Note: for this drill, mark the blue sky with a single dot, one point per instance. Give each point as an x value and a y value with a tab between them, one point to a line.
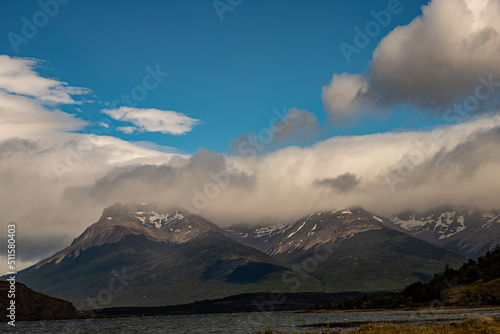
229	73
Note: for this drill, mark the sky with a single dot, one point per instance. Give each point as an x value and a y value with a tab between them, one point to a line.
228	74
254	112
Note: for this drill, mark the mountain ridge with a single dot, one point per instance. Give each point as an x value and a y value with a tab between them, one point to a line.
176	258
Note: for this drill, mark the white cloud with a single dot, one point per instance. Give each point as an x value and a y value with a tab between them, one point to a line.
17	76
153	120
104	125
156	147
439	55
432	63
24	96
342	96
126	129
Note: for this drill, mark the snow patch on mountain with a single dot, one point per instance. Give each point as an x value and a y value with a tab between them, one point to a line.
447	224
270	230
490	219
160	220
301	226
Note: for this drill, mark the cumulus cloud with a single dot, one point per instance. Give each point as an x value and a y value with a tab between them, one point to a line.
152	120
437	60
343	95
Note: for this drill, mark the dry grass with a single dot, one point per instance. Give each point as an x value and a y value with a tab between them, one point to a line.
478	325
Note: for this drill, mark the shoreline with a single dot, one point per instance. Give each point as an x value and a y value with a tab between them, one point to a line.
88	315
399	309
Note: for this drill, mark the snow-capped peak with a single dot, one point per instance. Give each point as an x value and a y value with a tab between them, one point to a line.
160	220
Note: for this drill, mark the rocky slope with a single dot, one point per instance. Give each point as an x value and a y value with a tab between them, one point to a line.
259	237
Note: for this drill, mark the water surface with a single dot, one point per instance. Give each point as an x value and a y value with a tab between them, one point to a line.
241	323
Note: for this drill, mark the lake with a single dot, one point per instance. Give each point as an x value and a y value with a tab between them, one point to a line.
241	323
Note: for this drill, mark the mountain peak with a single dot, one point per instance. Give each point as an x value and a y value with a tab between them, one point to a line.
168	224
312	230
327	226
167	218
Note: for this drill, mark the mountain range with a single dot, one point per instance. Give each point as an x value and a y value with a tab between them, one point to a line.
467	232
367	253
146	255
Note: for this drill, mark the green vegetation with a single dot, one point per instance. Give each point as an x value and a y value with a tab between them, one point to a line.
481	325
475	283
